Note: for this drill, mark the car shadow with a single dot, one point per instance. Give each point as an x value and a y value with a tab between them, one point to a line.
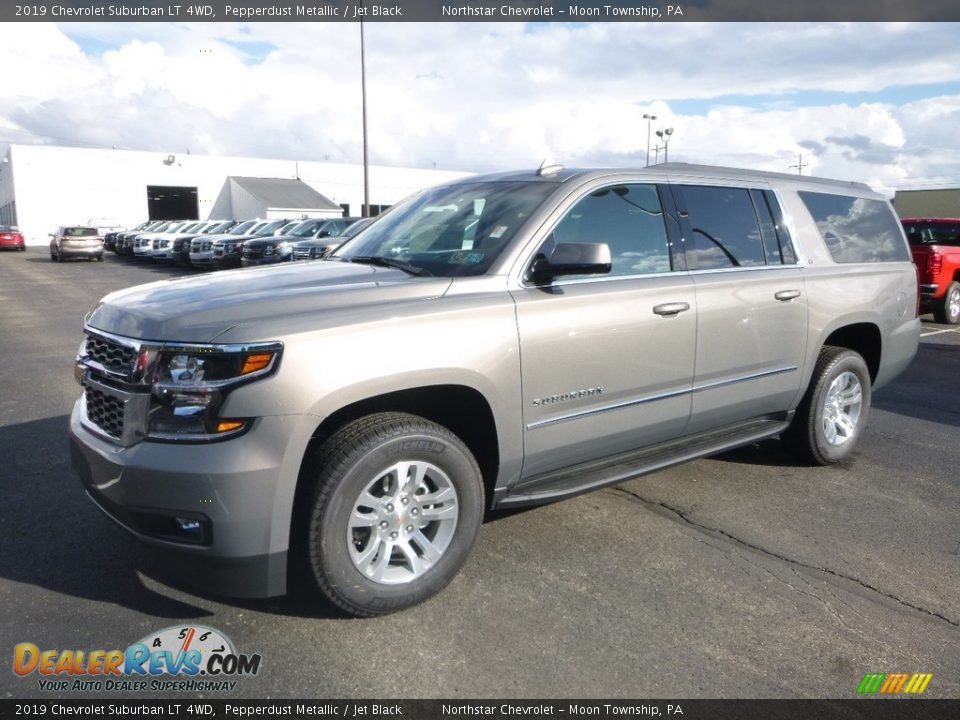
55	538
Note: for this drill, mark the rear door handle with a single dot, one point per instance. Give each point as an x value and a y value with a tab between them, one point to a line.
785	295
671	308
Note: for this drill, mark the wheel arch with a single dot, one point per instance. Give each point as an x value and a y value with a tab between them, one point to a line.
864	338
462	409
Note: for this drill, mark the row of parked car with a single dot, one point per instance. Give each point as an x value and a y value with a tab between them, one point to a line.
222	244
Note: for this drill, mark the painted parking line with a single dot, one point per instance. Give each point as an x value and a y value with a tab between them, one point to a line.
937	332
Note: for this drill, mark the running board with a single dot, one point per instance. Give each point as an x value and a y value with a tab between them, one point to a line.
614	470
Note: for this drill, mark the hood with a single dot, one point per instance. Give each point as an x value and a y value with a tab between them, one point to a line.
233	238
246	302
263	240
321	242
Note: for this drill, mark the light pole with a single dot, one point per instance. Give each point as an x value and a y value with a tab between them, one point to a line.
649	118
665	136
363	90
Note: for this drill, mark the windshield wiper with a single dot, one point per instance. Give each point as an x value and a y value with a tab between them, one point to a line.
381	261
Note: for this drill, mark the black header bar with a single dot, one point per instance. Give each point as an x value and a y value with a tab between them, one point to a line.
867	709
635	11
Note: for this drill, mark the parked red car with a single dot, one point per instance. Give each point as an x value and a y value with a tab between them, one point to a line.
11	238
935	243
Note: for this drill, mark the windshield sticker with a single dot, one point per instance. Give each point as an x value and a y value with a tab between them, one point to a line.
474	258
498	231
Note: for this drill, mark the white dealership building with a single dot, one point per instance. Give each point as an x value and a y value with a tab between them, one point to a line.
43	187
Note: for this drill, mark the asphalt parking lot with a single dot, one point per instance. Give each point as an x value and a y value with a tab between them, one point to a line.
741	575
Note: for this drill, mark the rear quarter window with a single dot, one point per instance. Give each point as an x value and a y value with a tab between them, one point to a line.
857	230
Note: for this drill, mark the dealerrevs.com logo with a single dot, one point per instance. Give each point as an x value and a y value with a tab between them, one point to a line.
192	658
894	683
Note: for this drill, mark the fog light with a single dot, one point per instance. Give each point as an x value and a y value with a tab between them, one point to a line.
191	527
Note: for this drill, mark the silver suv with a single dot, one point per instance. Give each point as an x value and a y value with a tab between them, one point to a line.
500	341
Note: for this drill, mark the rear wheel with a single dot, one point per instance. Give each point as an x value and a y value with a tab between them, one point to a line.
396	505
834	409
947	310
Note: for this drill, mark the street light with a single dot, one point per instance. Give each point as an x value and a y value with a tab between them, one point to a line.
665	136
363	91
649	119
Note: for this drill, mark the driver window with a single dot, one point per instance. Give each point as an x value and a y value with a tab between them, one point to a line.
628	218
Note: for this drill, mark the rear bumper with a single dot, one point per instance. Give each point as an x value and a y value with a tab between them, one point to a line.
69	252
928	291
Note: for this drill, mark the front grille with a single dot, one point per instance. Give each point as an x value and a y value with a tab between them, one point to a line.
217	251
252	253
104	411
302	254
111	355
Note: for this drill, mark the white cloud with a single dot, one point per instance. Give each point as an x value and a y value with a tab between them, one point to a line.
491	96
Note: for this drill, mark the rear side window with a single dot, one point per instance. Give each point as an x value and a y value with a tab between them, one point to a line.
724	228
933	233
857	230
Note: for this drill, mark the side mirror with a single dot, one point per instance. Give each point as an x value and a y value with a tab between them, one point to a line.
572	259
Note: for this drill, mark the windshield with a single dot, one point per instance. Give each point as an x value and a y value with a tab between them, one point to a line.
933	233
218	227
449	231
355	229
242	228
269	228
307	229
79	232
192	227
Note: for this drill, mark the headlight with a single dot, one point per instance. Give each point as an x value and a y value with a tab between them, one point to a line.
191	384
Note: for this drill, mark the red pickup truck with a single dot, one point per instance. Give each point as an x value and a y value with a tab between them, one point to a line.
935	243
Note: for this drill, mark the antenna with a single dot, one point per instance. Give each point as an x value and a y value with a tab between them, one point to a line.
549	167
800	164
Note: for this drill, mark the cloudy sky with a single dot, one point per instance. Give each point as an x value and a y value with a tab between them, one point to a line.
862	101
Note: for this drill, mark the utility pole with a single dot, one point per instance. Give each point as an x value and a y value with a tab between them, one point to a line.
800	164
657	150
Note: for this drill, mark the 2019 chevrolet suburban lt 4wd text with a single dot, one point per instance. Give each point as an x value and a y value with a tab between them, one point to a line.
502	340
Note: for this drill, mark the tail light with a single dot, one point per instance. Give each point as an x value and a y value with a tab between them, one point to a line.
934	263
917	271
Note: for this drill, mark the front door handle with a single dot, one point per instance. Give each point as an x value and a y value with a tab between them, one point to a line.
670	308
785	295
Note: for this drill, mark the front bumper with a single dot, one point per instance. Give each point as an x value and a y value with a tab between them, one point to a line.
241	492
265	260
204	259
226	262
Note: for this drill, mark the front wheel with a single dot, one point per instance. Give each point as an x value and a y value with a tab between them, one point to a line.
396	505
834	409
948	309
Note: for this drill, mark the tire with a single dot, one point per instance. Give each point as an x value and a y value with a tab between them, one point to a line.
359	509
947	311
834	409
